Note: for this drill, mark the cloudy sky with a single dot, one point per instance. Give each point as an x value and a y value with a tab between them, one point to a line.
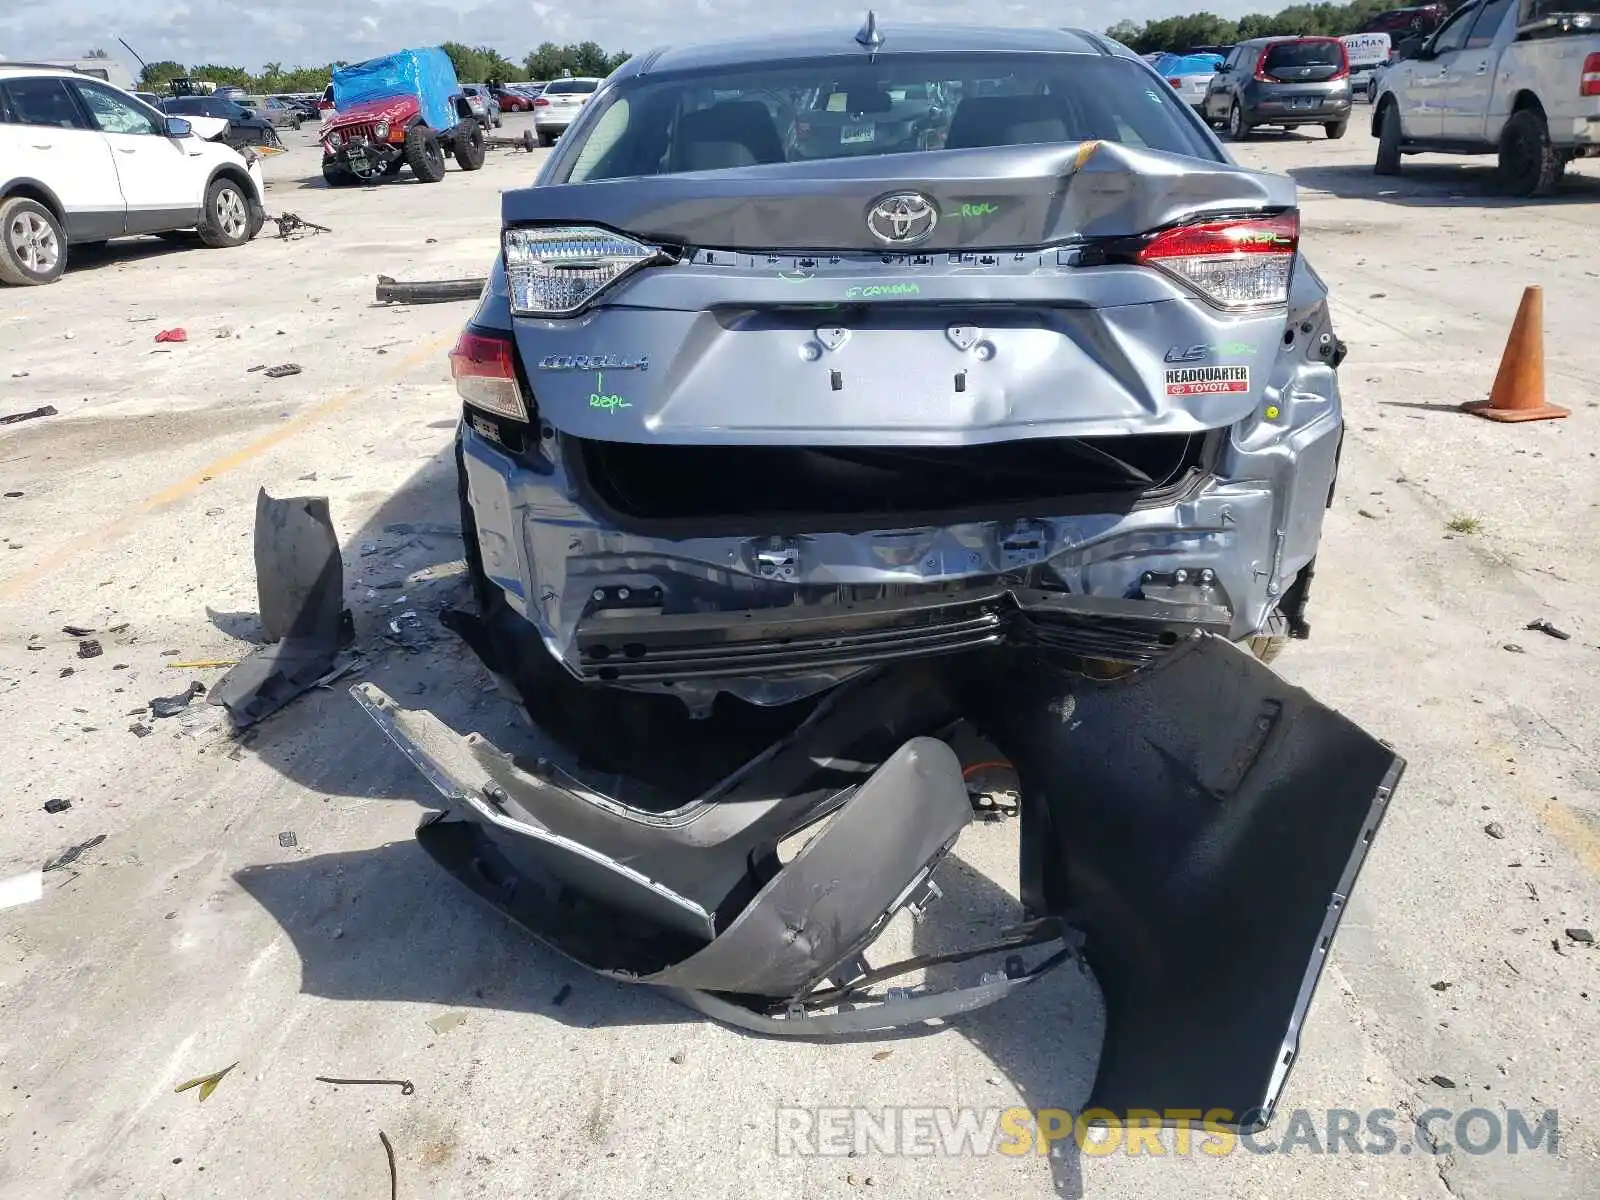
249	33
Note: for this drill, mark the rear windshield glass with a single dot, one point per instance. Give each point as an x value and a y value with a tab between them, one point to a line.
701	121
1284	55
571	85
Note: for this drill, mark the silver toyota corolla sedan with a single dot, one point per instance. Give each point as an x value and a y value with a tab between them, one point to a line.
847	418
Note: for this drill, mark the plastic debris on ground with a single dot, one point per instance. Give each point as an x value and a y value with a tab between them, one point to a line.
89	648
282	370
448	1021
21	889
72	854
171	706
173	335
57	805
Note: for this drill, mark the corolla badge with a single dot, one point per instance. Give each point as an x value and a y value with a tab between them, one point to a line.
595	362
902	219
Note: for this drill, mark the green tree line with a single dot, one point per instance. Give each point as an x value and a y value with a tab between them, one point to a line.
473	64
1207	29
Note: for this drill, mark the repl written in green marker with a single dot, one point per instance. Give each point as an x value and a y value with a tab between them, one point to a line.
978	210
599	399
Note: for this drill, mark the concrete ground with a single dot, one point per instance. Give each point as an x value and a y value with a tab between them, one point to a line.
198	933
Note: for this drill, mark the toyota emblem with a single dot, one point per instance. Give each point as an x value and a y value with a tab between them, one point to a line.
902	219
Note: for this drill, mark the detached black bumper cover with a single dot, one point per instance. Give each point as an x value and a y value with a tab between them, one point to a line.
1195	826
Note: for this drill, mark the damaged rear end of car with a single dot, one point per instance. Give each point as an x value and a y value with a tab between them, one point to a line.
795	473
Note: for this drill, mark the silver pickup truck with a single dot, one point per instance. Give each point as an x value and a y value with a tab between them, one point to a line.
1517	78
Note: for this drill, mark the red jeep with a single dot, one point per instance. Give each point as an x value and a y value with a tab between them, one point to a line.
404	109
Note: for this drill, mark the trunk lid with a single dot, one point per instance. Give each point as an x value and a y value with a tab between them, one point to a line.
788	321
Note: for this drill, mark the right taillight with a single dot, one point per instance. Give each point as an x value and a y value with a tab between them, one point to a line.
1235	264
1589	84
485	370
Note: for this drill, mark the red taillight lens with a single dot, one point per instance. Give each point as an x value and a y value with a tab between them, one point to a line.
485	372
541	102
1177	83
1589	85
1261	67
1344	62
1235	264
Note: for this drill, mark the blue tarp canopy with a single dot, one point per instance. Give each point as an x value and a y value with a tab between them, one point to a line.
426	74
1188	64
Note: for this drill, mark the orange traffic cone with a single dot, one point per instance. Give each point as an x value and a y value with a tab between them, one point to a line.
1518	392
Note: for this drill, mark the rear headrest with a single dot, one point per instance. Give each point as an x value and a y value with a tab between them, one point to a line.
740	133
1007	121
868	100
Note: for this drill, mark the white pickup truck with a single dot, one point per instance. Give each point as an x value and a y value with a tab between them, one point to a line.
1517	78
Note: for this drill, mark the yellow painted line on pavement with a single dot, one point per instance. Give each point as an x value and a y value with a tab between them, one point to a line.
104	535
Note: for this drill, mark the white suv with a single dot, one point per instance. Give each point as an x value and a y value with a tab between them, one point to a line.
82	161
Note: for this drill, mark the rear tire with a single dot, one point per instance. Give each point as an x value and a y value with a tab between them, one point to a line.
424	155
225	220
1529	164
1238	129
547	140
1388	162
1335	129
33	246
470	146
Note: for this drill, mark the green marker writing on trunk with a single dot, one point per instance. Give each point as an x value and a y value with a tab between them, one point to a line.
599	399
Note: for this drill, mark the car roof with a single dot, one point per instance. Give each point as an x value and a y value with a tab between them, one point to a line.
841	42
25	68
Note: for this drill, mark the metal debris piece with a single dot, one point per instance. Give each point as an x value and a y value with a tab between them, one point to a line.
71	854
394	1178
206	1083
1495	830
429	291
1441	986
405	1085
200	664
171	706
77	631
89	648
1443	1081
140	729
282	369
288	840
1582	936
49	410
291	224
424	529
57	805
1543	626
448	1021
1513	648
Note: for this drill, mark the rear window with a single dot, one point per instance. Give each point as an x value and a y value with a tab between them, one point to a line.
848	108
571	86
1316	52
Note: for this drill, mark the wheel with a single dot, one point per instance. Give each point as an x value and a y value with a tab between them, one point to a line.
295	124
32	244
546	140
1529	165
336	176
1273	637
1237	128
1335	129
225	220
424	155
1388	162
470	146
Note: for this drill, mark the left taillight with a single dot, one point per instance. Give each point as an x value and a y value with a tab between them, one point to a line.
554	271
485	371
1589	83
1235	264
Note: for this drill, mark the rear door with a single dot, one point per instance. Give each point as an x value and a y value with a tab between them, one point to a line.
1218	92
1464	95
49	138
162	178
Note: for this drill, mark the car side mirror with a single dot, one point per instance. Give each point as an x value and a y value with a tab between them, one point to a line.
1410	47
247	113
177	127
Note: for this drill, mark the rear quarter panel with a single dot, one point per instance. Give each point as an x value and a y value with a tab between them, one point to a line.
1551	69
